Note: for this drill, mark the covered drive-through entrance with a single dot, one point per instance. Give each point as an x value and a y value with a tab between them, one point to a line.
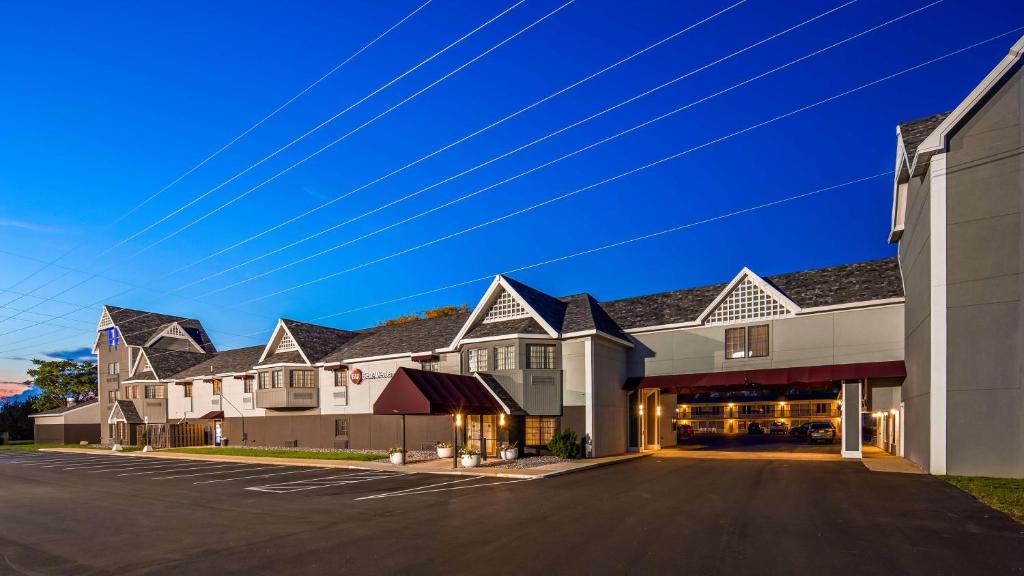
769	410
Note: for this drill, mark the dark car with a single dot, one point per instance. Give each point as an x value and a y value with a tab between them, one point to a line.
821	432
684	431
777	428
800	430
755	428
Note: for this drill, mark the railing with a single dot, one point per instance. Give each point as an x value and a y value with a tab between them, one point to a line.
731	415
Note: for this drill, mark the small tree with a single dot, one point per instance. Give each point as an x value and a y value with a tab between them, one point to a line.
14	419
59	379
564	444
439	312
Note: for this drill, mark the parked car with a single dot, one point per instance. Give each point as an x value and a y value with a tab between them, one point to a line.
800	430
777	428
821	432
684	431
755	428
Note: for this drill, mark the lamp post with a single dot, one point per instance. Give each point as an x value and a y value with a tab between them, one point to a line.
456	423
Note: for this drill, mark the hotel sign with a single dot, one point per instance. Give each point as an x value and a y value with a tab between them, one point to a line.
357	376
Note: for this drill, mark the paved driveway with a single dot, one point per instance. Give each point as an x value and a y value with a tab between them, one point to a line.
649	516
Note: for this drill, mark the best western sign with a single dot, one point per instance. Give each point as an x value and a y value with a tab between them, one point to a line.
357	376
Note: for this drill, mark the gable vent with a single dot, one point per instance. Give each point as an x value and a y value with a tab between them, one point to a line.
175	330
105	320
286	344
505	307
746	302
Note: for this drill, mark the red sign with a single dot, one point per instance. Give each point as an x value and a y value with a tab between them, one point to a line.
356	376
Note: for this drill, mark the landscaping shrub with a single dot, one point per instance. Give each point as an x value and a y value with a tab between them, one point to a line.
564	444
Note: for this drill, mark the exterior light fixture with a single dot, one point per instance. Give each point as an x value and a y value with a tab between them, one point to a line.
641	409
501	420
458	420
658	410
731	405
894	411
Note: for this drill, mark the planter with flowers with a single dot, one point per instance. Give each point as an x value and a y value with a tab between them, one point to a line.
508	451
470	457
445	450
396	455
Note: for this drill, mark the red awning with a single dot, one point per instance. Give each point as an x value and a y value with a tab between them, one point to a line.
773	376
215	415
418	392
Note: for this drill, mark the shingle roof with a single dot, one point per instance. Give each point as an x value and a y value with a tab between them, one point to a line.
138	326
845	284
317	341
131	415
551	309
228	361
915	131
63	409
498	390
415	336
584	313
142	376
290	357
167	363
518	326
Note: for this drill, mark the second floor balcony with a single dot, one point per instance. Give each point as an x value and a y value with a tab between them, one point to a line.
287	398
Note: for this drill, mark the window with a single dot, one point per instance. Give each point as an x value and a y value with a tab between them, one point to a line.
262	383
430	365
541	356
341	426
821	408
746	342
302	379
540	430
246	385
113	338
187	389
276	380
341	391
505	357
155	391
478	360
505	307
112	396
217	388
113	368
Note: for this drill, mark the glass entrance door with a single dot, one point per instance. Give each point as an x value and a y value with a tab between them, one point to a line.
490	433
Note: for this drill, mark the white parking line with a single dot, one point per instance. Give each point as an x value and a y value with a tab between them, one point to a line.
136	464
178	468
312	484
212	473
265	475
423	491
70	460
423	487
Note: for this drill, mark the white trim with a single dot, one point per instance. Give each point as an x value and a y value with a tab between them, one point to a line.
68	411
937	290
595	332
139	363
937	140
588	392
100	325
503	337
278	365
661	327
395	356
760	283
167	329
484	304
495	396
273	338
110	417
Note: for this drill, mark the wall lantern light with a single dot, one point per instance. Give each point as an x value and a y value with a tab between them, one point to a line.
458	420
659	410
501	420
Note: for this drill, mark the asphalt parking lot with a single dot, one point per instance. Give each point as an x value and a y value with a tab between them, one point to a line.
756	443
106	514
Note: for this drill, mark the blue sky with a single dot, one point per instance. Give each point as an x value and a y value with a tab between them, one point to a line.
106	103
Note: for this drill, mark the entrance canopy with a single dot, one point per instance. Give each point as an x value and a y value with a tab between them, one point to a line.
214	415
688	383
413	391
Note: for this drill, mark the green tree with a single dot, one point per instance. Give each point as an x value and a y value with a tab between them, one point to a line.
58	379
14	419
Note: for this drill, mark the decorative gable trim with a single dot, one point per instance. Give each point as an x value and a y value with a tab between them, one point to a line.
174	330
773	304
273	345
116	415
484	306
144	365
105	320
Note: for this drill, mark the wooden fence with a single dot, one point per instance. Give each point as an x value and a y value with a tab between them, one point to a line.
174	435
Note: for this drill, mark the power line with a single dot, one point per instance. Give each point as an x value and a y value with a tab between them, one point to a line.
454	143
628	172
230	143
550	162
279	150
610	246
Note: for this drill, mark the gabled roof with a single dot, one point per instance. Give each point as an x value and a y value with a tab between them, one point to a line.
584	313
549	308
313	342
124	410
65	409
423	335
835	285
226	362
167	363
517	326
914	132
136	327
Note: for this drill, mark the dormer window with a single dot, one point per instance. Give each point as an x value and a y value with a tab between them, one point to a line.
478	360
505	307
286	344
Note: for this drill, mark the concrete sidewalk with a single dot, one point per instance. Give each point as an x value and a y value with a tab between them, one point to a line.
878	460
436	466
